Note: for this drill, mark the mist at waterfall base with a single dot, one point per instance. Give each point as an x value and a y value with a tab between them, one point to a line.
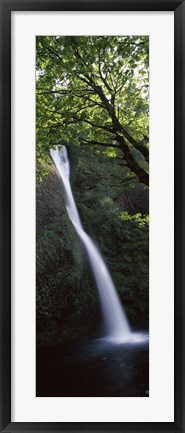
115	364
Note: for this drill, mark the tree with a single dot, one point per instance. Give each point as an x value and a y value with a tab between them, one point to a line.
94	91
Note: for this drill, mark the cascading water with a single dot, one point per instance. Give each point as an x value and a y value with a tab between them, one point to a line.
116	323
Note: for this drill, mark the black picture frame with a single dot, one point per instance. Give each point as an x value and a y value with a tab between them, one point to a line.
6	7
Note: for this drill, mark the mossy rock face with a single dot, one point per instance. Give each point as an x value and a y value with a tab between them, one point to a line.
64	283
110	208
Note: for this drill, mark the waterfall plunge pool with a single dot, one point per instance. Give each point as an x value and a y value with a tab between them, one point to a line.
94	368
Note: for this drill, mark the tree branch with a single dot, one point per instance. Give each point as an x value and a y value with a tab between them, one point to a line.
99	143
52	91
106	128
52	51
102	77
89	99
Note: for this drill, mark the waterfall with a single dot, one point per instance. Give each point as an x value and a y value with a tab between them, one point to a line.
116	323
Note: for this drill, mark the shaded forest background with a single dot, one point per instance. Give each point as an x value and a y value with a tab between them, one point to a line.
92	96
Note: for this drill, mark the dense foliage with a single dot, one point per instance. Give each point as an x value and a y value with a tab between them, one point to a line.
92	96
94	91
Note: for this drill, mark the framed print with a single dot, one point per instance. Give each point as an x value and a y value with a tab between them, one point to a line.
92	216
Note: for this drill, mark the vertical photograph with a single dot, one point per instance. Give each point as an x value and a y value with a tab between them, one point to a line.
92	216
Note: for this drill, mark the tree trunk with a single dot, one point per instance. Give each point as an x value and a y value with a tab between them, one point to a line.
131	163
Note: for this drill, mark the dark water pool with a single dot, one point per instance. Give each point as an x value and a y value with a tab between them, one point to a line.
93	368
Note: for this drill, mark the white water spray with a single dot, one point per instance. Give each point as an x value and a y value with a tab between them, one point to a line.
116	323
